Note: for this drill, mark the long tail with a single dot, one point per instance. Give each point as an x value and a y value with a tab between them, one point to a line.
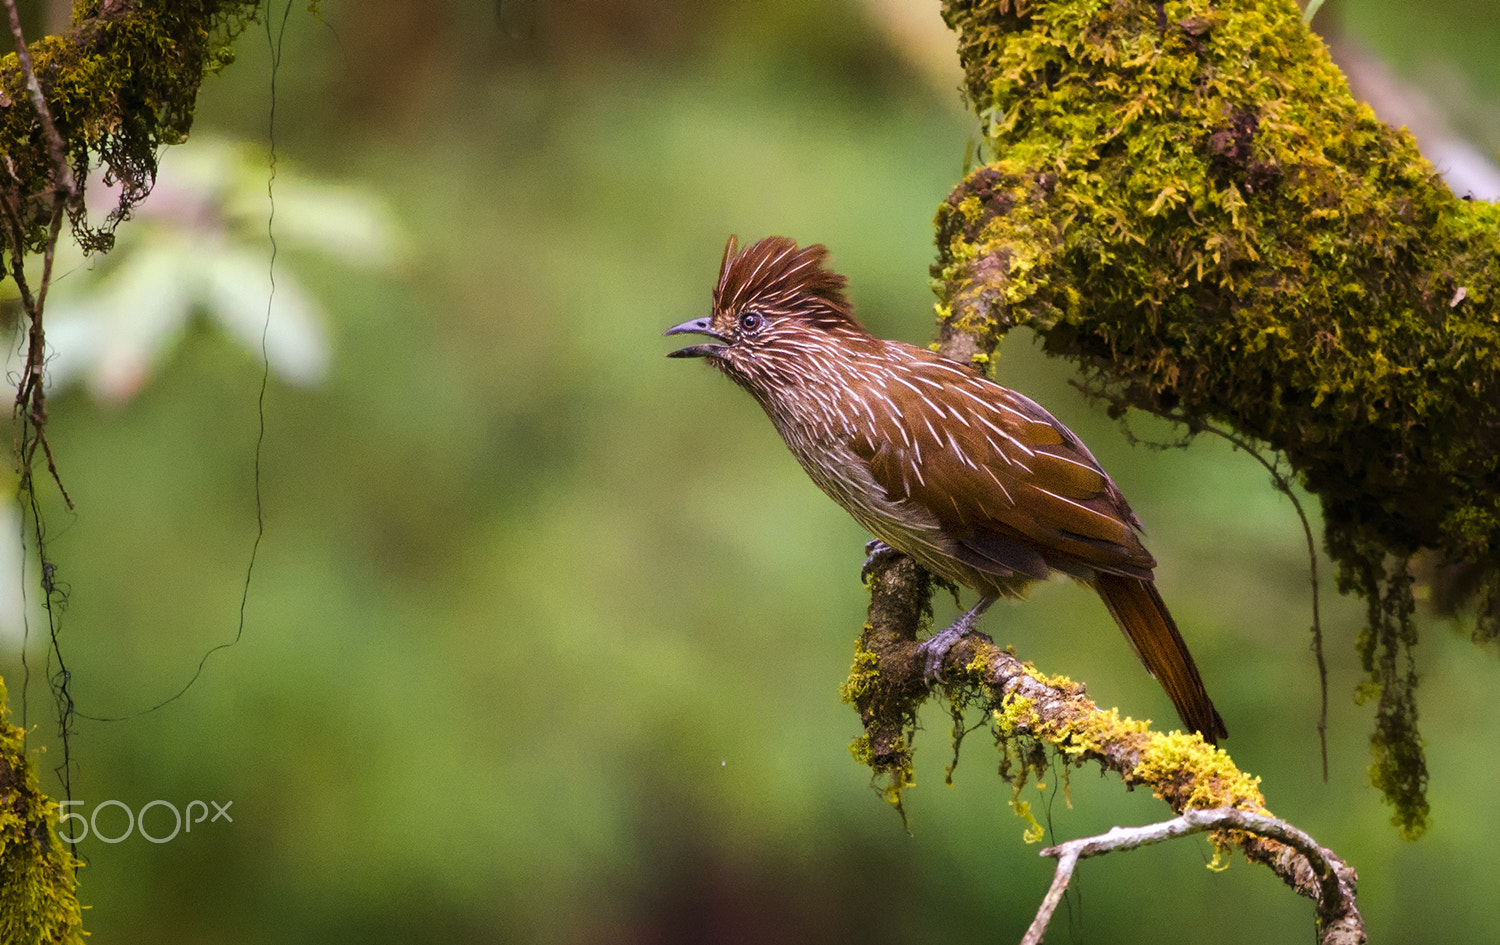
1141	614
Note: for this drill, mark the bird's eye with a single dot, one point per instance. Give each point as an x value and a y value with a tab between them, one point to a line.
751	321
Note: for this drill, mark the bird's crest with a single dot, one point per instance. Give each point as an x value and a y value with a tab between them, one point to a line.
775	276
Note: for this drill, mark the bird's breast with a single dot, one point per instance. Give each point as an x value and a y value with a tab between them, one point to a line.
835	438
832	461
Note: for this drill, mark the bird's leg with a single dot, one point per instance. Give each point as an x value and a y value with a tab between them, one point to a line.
935	647
877	554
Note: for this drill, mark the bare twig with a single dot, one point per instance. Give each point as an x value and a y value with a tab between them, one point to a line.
1327	867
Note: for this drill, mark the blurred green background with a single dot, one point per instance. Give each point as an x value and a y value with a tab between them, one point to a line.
545	634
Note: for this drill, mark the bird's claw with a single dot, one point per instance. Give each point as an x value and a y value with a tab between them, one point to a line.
936	647
877	554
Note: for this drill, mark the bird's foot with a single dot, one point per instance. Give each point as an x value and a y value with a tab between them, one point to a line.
877	555
935	648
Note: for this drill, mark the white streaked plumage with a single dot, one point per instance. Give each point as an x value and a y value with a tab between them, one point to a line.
976	482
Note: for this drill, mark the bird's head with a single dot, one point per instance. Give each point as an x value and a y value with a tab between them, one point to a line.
777	310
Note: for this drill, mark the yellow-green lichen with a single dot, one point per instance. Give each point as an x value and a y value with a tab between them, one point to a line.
891	780
1092	732
1056	681
1190	772
863	676
859	750
1034	831
1223	856
889	719
1015	714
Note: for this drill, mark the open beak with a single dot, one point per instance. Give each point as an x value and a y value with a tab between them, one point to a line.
697	326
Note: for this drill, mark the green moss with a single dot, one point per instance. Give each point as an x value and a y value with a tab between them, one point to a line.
889	716
864	676
119	85
890	779
860	751
1186	200
1091	734
38	899
1180	768
1398	767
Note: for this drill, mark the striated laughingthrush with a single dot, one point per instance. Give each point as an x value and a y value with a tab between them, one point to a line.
977	483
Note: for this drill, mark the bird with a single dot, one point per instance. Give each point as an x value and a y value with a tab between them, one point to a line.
976	482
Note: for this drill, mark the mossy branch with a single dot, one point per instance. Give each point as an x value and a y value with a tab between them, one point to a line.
119	84
1186	199
888	684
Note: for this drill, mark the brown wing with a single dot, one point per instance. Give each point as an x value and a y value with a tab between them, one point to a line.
1017	490
1021	494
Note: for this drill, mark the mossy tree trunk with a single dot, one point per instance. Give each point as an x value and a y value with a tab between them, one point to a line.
1185	199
